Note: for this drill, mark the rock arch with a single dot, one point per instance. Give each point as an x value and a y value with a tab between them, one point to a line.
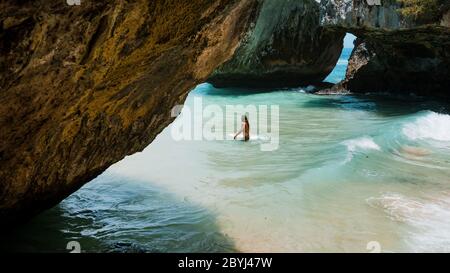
84	86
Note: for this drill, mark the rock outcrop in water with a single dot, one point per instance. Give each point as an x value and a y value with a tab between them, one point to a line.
402	46
286	47
83	86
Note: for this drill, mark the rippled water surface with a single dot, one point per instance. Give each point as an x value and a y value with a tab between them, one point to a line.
349	170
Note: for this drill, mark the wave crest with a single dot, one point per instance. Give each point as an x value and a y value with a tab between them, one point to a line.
432	126
363	143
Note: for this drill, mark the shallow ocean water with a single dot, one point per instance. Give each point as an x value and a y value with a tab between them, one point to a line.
349	170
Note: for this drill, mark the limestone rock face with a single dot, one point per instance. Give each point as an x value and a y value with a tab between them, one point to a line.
361	14
402	46
412	61
84	86
285	47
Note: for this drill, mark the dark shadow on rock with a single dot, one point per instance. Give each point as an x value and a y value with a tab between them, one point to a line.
114	214
381	104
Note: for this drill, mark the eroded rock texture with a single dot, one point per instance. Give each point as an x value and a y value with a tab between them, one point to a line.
286	47
83	86
411	61
396	52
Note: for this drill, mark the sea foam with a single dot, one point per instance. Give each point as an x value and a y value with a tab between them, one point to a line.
432	126
362	143
252	137
429	217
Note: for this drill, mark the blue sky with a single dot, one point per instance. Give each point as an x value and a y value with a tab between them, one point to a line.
348	40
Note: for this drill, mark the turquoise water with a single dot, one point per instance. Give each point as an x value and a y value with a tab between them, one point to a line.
338	72
349	170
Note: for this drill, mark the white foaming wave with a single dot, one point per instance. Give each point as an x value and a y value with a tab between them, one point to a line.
362	143
342	62
429	218
432	126
397	206
252	137
305	89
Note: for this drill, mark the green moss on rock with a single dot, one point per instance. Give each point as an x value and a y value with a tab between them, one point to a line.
423	11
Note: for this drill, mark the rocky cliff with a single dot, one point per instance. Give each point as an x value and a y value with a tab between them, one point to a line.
286	47
83	86
402	45
297	42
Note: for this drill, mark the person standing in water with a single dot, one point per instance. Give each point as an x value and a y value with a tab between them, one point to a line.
245	129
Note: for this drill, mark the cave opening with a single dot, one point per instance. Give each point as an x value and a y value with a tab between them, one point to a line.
338	72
